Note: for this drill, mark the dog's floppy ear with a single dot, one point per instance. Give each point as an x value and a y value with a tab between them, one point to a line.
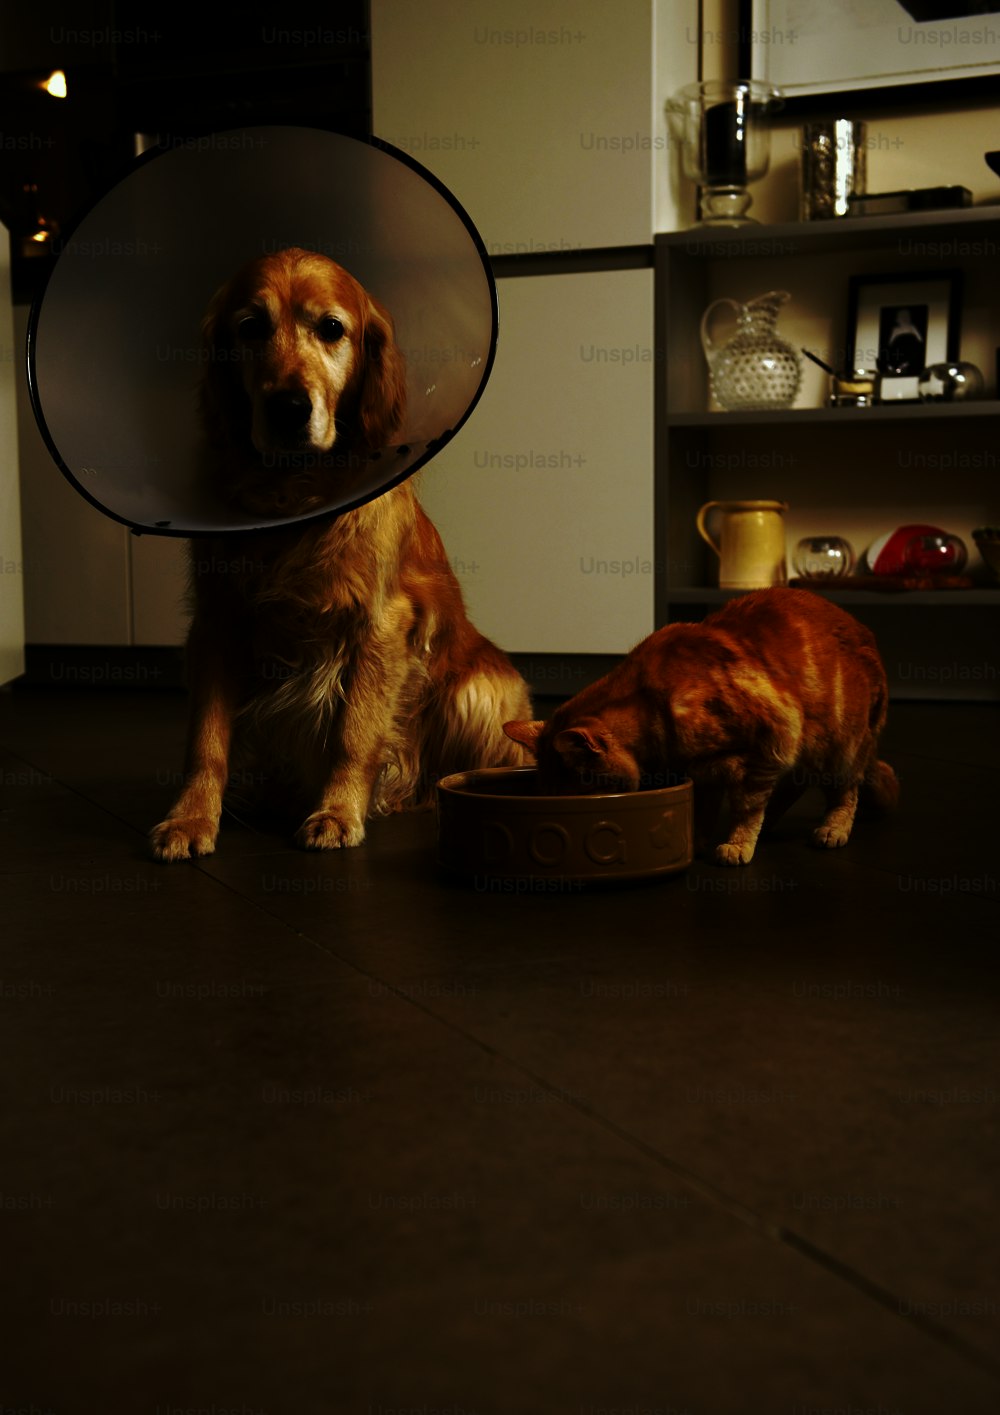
219	389
524	732
212	318
383	392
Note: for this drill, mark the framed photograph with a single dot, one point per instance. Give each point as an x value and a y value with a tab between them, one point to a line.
902	323
811	49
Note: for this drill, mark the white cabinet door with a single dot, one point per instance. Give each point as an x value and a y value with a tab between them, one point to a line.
545	496
538	115
159	584
76	588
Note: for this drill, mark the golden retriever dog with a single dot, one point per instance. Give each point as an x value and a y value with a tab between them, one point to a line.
332	660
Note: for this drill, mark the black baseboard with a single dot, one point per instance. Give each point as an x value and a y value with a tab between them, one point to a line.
552	677
101	666
106	666
560	675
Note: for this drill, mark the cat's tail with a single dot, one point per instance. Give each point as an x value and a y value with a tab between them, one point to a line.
879	791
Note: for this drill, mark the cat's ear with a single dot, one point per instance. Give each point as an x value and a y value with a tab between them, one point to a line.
524	732
581	743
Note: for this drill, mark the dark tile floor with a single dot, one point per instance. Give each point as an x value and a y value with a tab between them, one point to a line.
292	1133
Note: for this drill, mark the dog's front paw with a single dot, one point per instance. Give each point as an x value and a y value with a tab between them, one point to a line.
831	837
183	838
729	854
325	830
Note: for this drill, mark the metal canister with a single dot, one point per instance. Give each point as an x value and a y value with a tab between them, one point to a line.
833	166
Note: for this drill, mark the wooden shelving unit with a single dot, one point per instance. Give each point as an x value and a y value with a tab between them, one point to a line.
845	417
886	465
901	599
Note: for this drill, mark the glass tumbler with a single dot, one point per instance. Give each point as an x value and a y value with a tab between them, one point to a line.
823	558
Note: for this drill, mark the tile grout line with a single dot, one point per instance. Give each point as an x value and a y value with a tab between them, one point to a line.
720	1199
709	1192
703	1187
706	1190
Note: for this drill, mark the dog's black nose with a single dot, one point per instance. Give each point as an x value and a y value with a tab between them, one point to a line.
288	412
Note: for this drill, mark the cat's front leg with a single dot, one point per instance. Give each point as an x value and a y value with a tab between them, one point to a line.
841	805
747	804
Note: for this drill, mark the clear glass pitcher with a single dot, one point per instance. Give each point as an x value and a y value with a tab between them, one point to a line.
754	368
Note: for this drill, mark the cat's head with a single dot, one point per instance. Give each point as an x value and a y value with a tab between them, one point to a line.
579	758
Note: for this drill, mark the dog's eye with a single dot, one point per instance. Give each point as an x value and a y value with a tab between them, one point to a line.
330	329
250	327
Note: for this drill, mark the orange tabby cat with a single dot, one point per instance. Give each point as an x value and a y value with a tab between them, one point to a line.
780	688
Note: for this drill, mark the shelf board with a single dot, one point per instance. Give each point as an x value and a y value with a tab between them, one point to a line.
790	238
882	412
693	594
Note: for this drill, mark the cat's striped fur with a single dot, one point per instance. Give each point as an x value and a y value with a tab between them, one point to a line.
778	691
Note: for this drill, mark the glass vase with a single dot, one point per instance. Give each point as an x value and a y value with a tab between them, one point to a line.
721	127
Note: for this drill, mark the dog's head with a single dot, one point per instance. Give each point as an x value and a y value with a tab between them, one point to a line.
302	375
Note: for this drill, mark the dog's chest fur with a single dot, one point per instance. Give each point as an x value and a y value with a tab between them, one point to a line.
316	613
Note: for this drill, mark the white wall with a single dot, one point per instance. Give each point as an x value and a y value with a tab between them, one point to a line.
529	111
547	122
544	498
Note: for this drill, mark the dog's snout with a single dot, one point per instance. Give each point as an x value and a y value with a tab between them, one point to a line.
288	412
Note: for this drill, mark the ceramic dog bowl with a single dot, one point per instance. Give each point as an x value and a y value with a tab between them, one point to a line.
492	823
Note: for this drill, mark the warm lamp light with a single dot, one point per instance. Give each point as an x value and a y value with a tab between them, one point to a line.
35	229
55	84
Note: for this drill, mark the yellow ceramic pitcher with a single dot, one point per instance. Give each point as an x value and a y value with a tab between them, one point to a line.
751	544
